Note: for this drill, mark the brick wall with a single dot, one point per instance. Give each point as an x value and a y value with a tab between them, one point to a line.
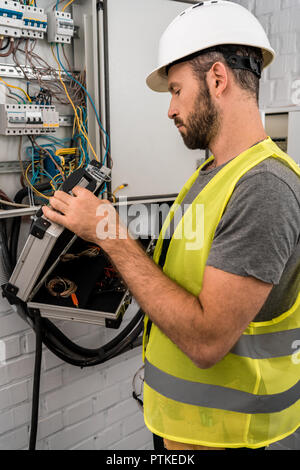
281	20
88	408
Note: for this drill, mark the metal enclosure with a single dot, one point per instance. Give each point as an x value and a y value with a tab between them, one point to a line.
147	151
282	125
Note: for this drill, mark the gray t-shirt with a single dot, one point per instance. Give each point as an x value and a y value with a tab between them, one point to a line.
259	233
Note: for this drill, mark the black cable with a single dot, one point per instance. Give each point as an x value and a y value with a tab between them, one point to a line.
4	249
5	45
36	382
76	355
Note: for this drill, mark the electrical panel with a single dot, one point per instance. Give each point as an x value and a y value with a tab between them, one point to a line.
18	20
282	125
11	18
28	119
60	27
34	22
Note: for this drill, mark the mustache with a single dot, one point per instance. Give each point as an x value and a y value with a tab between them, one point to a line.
178	122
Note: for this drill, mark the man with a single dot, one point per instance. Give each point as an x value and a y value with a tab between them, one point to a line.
222	316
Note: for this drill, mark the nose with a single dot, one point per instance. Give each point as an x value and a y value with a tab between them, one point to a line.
173	111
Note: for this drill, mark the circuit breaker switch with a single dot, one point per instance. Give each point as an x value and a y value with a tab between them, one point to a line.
11	19
60	27
28	119
34	22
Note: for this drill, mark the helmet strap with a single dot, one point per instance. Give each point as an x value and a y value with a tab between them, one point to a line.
234	61
245	63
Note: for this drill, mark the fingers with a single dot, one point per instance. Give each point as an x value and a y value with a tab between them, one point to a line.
53	215
63	197
78	190
58	205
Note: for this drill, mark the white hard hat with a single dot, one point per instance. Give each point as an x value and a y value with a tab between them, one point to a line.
205	25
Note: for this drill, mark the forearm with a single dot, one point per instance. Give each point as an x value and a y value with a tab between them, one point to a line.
174	310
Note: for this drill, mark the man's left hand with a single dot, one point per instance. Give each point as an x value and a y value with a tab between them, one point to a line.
90	218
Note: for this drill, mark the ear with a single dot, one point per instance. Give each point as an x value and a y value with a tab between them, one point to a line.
217	79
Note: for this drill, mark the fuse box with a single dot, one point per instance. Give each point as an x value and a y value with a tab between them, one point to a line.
11	19
60	27
28	119
34	22
18	20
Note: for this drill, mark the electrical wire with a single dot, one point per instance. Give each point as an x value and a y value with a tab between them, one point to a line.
66	6
2	48
4	250
17	88
41	69
44	149
10	50
136	394
31	185
91	101
122	186
36	380
17	96
74	109
13	204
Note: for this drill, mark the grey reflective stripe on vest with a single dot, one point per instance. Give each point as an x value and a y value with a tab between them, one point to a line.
215	396
267	345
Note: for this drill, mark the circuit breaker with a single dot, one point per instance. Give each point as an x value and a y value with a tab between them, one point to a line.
17	20
11	19
60	27
34	22
21	119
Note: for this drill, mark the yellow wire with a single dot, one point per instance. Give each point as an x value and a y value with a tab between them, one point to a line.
71	1
66	151
53	180
73	106
74	122
122	186
17	88
32	2
83	160
32	187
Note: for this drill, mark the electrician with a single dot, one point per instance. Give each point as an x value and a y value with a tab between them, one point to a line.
222	313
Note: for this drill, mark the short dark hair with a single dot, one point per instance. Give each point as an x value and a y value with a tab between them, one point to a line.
246	79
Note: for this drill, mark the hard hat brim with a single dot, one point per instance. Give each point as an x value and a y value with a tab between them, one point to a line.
158	79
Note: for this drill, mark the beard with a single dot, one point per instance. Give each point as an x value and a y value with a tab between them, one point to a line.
203	123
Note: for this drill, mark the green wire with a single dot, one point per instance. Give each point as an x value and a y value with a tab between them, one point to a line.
17	96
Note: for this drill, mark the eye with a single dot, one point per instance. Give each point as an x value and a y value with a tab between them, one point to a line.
177	92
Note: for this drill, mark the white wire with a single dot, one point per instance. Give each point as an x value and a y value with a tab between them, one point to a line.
134	385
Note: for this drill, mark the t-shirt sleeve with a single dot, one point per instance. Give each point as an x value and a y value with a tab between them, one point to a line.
259	229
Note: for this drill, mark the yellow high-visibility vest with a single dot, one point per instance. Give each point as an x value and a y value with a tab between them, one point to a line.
250	398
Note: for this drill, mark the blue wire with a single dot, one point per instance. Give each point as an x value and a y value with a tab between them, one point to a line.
18	96
92	102
57	5
103	191
56	140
